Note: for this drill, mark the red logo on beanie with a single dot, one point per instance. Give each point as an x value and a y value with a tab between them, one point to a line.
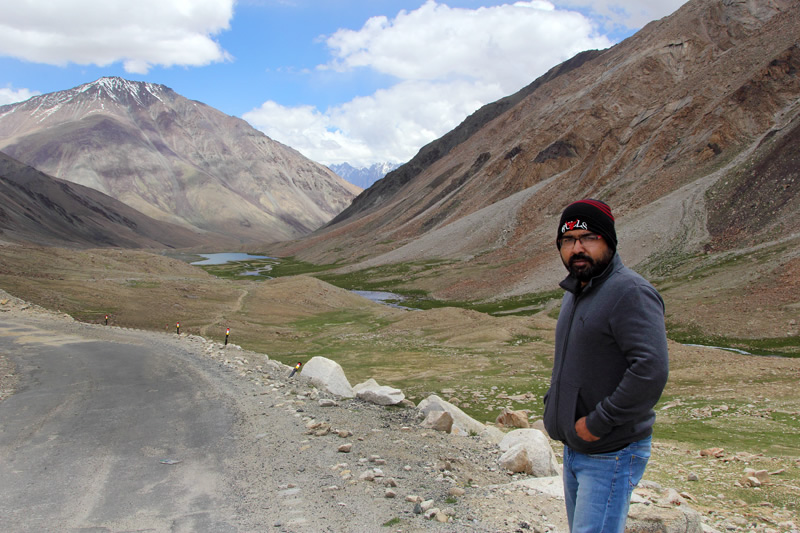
573	224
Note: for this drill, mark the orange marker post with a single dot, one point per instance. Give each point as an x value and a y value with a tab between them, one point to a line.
227	334
178	328
106	320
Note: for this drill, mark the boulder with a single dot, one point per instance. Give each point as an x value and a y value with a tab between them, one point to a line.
328	375
463	424
492	435
512	419
370	391
529	451
438	420
657	519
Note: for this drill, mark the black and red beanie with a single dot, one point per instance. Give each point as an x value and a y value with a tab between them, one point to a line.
590	215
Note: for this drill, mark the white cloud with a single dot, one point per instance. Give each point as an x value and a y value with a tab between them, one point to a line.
100	32
390	125
631	14
448	62
8	95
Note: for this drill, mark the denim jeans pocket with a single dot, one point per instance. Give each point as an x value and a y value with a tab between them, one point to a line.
637	466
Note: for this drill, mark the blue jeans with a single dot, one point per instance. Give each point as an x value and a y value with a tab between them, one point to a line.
598	487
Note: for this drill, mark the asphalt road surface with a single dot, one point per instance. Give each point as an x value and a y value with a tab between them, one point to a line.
108	436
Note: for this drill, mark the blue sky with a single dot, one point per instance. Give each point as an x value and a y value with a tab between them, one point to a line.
358	81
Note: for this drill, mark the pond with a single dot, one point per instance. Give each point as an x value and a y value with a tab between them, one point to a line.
227	257
382	297
735	350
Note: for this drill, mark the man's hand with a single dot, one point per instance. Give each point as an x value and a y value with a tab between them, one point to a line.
583	432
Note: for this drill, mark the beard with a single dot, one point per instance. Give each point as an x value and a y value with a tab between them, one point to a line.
591	268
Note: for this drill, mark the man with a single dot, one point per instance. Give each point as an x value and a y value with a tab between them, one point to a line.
610	367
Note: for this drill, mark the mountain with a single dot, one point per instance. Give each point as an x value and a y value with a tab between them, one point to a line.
689	129
173	159
363	177
37	208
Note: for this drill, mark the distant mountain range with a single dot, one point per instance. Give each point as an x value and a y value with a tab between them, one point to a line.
364	177
174	160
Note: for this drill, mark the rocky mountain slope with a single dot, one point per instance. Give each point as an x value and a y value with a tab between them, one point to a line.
688	129
173	159
37	208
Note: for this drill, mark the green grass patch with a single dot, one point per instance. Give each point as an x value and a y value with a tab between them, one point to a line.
520	340
730	432
267	268
772	346
143	284
391	522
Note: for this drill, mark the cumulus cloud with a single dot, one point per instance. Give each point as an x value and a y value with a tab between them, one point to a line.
447	63
100	32
629	14
9	95
390	125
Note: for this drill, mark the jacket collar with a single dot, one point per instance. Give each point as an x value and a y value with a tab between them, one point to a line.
572	285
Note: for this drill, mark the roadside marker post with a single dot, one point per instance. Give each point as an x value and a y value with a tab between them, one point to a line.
227	334
178	328
106	320
296	368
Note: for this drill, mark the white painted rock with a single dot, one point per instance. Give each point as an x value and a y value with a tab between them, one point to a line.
529	451
370	391
438	420
328	375
463	424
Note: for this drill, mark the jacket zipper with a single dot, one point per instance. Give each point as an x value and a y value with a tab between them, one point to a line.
563	360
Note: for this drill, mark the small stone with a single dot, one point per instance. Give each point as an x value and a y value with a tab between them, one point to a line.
390	482
712	452
456	491
390	493
430	514
345	448
327	402
509	418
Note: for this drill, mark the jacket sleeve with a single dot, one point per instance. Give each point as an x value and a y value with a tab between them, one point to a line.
637	323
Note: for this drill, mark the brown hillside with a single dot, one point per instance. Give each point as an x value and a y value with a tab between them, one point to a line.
37	208
688	129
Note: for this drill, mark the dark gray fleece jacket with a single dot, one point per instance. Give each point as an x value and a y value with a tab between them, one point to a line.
611	361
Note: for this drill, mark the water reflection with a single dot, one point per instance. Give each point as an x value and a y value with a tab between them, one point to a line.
227	257
382	297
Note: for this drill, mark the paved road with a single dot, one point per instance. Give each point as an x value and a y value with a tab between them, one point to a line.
106	436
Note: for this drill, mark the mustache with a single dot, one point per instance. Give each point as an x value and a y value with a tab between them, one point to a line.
582	257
